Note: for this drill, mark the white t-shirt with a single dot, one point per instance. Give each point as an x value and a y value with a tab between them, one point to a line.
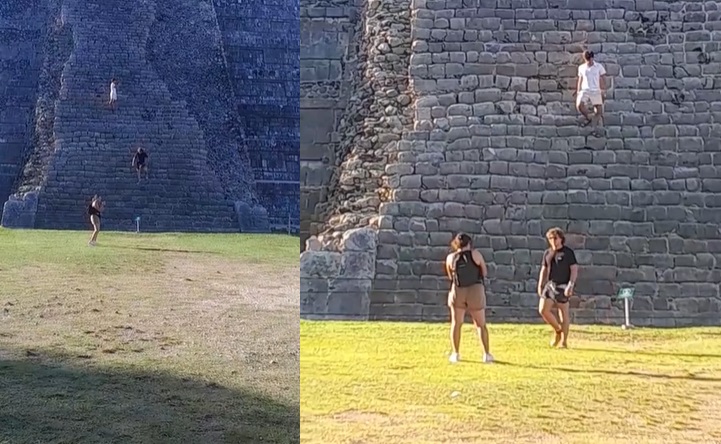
591	76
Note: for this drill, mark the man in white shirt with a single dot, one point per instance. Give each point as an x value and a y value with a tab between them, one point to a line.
113	94
590	87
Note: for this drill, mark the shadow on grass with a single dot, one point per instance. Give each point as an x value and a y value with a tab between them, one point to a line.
61	401
165	250
688	377
651	353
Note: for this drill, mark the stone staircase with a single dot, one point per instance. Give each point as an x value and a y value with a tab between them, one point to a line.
93	145
497	151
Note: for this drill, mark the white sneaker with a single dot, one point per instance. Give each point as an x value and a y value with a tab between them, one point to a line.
455	357
487	358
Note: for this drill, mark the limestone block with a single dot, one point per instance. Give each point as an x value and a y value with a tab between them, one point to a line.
313	295
349	298
320	264
358	265
359	239
252	218
20	211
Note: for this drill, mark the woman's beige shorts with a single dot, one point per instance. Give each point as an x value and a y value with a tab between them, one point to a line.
468	298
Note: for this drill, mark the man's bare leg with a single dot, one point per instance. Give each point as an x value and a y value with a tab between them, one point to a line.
598	113
581	107
563	313
545	306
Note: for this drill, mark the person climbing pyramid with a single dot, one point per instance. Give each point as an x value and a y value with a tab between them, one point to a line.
113	94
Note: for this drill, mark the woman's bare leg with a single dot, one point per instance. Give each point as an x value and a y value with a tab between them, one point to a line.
96	229
457	315
564	314
479	320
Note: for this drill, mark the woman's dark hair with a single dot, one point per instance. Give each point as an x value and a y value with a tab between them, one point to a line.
461	240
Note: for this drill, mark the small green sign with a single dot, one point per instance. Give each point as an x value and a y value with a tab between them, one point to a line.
626	293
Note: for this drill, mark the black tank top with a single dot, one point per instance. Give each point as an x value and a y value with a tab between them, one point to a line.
466	272
93	211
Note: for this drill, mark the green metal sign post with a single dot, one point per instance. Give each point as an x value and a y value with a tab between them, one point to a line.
626	294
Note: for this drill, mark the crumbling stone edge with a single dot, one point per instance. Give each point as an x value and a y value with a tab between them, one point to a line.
336	281
20	210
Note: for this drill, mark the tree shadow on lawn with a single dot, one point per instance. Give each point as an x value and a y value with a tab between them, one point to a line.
56	400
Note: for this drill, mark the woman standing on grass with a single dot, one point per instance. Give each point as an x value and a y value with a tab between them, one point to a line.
94	210
559	271
466	270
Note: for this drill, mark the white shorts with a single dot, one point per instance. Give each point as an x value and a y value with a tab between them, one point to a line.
113	97
595	97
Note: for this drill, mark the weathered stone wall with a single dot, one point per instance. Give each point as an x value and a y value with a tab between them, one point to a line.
261	48
22	35
497	152
365	136
329	39
196	73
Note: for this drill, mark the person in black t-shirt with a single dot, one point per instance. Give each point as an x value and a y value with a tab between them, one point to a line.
559	272
139	162
466	269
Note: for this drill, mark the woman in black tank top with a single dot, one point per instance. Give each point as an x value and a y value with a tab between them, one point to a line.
94	210
466	270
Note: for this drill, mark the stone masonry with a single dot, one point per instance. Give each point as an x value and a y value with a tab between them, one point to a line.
329	39
22	26
496	151
178	101
261	48
346	185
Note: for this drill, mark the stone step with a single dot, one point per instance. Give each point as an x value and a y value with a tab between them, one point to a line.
94	154
147	223
129	194
130	209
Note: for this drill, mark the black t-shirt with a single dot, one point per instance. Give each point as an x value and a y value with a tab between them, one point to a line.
140	158
559	265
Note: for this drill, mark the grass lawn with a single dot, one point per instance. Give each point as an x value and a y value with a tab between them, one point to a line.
151	338
392	383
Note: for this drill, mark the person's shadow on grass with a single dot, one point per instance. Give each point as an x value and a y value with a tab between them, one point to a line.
689	376
60	401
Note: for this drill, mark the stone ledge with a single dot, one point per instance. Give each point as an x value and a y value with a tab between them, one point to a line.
20	211
337	279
